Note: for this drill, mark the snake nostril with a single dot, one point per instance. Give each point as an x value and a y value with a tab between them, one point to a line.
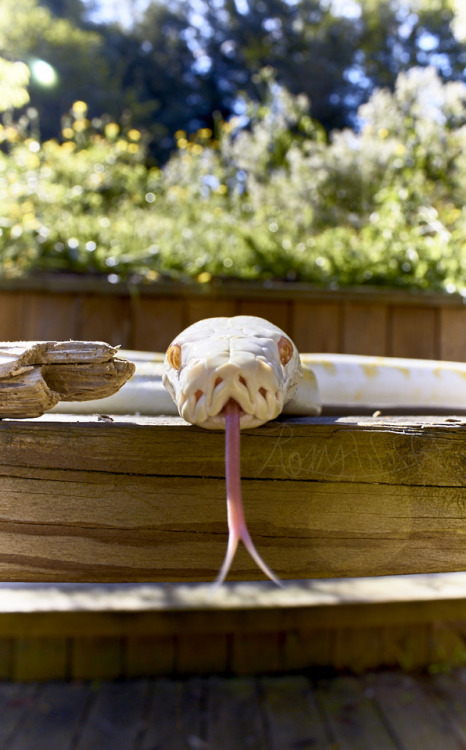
218	381
198	394
263	392
243	381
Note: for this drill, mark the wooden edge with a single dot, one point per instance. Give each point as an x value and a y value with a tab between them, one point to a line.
272	290
324	594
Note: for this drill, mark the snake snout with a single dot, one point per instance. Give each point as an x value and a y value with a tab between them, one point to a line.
253	387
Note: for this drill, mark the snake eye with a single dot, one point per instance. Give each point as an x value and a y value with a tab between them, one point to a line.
285	350
174	356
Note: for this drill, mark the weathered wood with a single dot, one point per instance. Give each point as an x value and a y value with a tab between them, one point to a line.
291	714
144	499
284	713
148	316
351	717
36	375
400	698
52	718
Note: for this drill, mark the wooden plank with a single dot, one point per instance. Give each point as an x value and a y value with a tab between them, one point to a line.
392	450
291	714
115	717
148	656
96	658
53	719
351	718
201	653
104	319
399	699
233	716
6	658
364	329
40	658
12	310
155	323
356	649
316	327
50	316
414	333
174	716
448	692
452	338
367	490
197	308
277	312
176	530
255	653
15	703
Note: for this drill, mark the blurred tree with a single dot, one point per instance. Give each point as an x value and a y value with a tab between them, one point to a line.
66	62
336	60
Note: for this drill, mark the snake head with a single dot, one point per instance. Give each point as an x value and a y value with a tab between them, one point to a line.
243	358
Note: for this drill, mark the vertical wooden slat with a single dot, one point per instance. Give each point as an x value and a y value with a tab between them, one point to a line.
6	658
96	658
12	305
405	646
364	329
453	334
414	332
147	656
156	322
277	312
303	649
50	316
255	652
201	654
198	308
316	327
40	659
104	318
356	649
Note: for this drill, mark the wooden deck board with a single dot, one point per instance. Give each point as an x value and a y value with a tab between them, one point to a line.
387	710
144	499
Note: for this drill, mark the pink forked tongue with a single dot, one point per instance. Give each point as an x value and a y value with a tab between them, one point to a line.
236	522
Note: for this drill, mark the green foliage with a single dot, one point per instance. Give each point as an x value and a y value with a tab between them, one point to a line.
14	78
275	200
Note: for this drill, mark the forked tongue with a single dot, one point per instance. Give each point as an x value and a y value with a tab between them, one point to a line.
236	522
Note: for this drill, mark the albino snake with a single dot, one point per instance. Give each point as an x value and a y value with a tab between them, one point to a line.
237	373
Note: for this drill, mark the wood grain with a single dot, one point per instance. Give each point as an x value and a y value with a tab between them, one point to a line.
144	500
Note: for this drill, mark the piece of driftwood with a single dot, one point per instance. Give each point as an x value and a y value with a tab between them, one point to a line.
36	375
143	499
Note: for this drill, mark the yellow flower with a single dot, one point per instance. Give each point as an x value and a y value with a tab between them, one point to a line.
79	107
182	143
196	148
205	133
382	132
122	145
68	146
11	134
81	125
180	134
112	129
133	148
134	135
67	133
222	189
204	277
400	149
